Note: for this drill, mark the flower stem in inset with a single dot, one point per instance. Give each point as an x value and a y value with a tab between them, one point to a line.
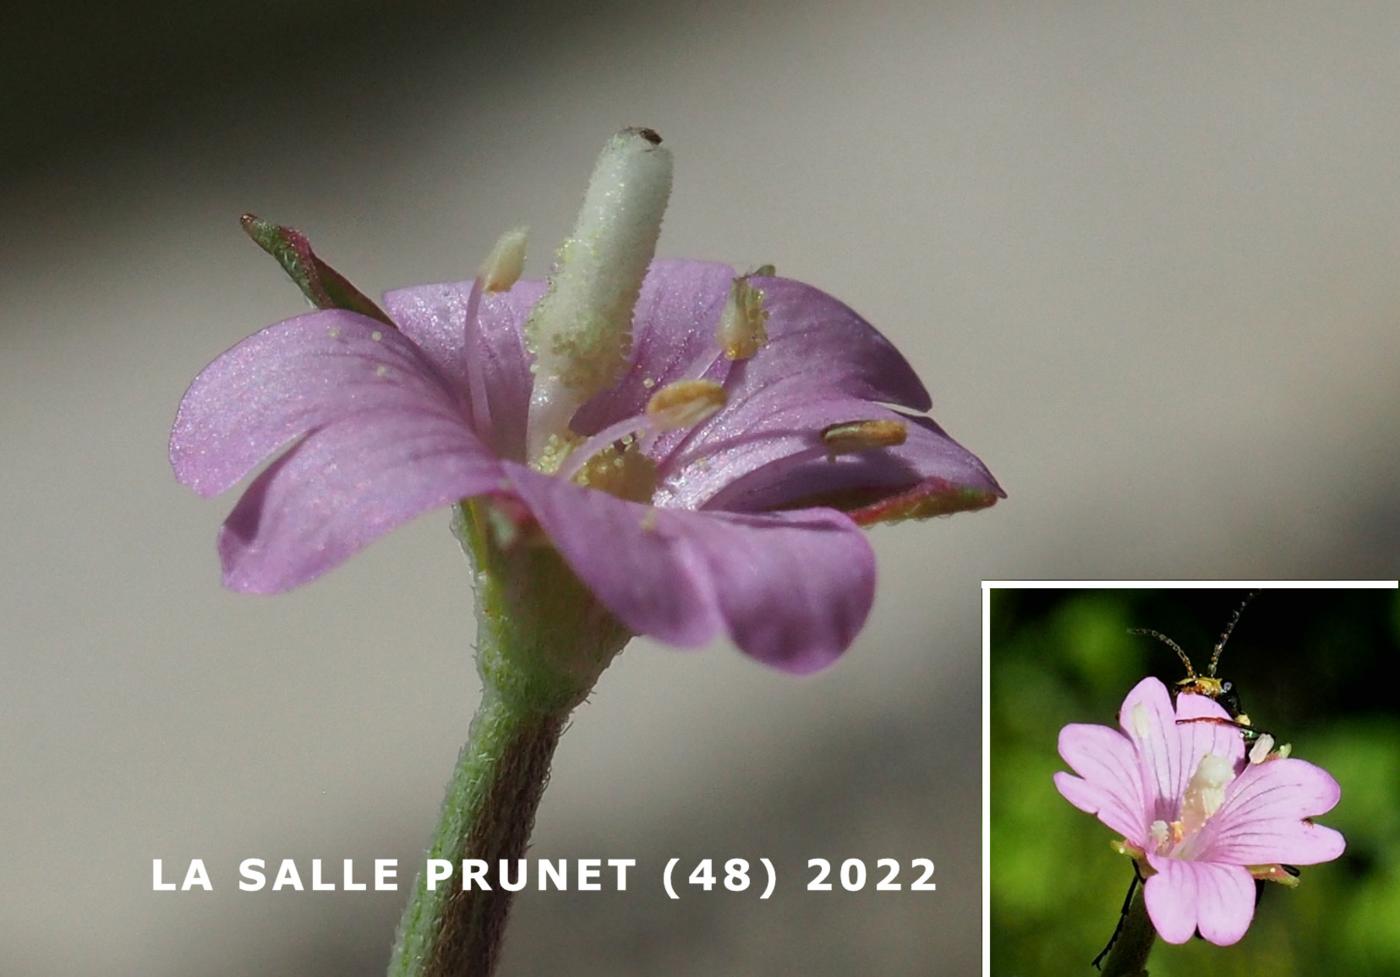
1128	958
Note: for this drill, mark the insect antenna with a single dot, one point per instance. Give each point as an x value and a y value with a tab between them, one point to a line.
1190	672
1234	619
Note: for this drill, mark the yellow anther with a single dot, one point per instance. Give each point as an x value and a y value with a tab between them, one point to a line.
621	470
852	436
684	403
743	326
1259	752
503	265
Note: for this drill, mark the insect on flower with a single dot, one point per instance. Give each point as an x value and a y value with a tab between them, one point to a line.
1217	689
1221	693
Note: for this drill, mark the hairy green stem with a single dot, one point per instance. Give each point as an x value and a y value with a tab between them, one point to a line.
1128	958
487	814
542	642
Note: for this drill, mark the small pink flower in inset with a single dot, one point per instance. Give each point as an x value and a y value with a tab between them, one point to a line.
1202	818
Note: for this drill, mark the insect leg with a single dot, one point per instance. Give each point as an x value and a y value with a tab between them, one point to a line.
1250	733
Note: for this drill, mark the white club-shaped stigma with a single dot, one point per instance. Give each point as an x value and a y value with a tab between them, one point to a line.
581	330
1205	793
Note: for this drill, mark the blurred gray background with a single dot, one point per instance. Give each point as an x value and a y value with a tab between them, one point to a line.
1147	258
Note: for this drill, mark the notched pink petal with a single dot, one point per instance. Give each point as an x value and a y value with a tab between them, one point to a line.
1262	818
791	589
1315	844
1100	802
821	340
1224	898
1157	714
435	317
288	379
1112	782
1149	721
794	588
1264	842
1283	788
342	487
1079	792
1171	899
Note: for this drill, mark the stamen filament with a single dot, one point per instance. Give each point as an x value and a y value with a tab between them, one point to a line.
499	272
479	403
677	405
610	435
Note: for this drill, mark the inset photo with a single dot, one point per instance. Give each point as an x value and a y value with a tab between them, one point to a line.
1193	778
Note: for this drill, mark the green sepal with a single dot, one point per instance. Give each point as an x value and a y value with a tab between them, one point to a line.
543	638
325	287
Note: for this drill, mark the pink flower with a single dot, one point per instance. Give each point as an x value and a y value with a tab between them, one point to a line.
1188	802
740	521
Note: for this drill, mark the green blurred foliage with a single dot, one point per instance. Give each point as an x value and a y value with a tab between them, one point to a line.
1312	666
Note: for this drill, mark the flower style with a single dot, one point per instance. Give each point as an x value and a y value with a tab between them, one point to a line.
703	469
1205	819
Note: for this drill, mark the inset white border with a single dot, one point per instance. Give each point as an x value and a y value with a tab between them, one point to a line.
989	585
